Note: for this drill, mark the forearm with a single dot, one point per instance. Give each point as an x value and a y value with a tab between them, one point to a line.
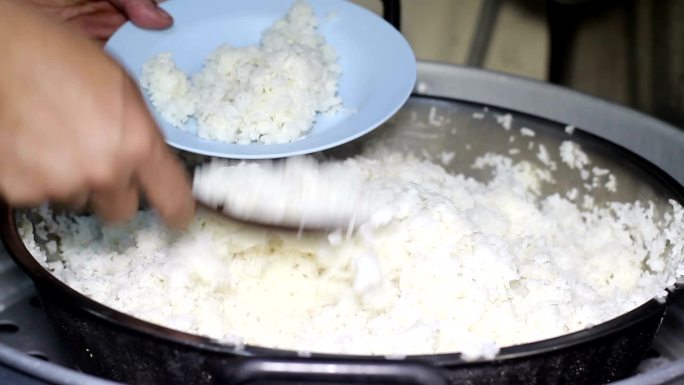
32	44
74	127
49	75
28	41
21	30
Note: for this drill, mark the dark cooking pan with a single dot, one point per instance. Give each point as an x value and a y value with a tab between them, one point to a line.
114	345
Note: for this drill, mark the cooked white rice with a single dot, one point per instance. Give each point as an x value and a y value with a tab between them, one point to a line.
445	264
268	93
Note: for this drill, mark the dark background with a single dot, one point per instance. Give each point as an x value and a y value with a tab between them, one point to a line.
627	51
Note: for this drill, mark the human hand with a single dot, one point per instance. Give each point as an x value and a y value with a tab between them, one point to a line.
74	127
99	19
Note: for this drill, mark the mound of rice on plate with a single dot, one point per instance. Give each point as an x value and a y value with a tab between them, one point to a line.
267	93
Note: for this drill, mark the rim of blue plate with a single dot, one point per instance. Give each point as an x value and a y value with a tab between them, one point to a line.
378	66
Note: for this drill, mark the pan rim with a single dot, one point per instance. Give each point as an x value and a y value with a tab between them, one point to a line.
77	301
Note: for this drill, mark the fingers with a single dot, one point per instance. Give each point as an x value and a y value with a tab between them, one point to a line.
167	188
98	19
159	173
76	201
144	13
22	194
117	204
100	25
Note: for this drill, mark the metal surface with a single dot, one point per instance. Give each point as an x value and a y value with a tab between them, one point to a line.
653	139
484	28
30	353
663	144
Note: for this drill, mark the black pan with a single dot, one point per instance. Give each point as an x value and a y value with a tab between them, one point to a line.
116	346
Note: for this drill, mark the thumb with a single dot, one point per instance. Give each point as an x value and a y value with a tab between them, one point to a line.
144	13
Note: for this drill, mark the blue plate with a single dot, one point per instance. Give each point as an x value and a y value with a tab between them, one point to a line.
378	65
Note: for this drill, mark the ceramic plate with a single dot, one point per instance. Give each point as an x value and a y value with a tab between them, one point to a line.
379	67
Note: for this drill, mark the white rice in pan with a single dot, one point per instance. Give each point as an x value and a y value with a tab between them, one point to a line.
445	263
